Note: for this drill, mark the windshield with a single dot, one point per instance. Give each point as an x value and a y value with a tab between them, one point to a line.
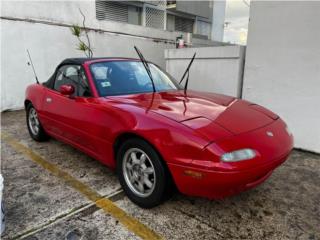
129	77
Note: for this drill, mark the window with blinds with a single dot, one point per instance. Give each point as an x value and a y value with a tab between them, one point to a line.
154	18
183	24
111	10
150	15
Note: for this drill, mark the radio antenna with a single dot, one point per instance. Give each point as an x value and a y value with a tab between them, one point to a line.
34	71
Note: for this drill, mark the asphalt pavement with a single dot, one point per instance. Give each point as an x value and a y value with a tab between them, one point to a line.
53	191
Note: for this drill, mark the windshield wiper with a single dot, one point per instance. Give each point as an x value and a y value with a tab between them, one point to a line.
187	72
146	66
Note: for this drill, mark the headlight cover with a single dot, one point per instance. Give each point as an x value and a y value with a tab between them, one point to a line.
239	155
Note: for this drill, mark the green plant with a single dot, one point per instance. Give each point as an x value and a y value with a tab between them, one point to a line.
78	31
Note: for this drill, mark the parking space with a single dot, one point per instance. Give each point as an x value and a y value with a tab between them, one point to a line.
53	191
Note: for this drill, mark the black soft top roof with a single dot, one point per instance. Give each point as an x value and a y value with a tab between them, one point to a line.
83	60
80	61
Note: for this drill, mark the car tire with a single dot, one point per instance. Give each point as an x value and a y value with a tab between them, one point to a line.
35	128
153	178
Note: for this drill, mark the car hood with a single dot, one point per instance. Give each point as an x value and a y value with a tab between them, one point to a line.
207	113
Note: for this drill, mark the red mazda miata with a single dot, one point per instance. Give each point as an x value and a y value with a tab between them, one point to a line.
135	118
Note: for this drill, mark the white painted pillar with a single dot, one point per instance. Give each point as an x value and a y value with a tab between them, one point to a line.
218	18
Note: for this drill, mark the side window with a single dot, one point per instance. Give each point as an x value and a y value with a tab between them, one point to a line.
73	75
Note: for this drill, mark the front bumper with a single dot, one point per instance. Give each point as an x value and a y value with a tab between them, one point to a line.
214	179
216	184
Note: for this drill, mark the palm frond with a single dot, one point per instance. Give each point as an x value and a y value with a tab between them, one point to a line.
82	46
76	30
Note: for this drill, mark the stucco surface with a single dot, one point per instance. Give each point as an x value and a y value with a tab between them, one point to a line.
282	69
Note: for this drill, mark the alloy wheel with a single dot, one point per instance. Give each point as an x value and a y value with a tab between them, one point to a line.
33	121
139	172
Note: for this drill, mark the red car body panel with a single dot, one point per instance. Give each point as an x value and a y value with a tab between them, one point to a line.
190	132
222	179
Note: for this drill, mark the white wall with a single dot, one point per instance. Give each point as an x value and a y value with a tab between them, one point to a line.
49	41
282	70
215	69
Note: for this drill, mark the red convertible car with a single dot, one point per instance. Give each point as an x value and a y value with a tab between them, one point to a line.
135	118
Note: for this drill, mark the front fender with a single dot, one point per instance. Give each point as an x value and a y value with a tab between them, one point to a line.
175	142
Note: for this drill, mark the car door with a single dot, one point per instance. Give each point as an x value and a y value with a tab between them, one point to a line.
68	117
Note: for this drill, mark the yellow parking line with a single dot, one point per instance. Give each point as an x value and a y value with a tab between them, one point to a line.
131	223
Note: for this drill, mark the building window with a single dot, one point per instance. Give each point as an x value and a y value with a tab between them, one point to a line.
203	28
110	10
155	18
183	24
150	15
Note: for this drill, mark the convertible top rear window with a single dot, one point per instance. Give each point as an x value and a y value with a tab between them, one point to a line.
129	77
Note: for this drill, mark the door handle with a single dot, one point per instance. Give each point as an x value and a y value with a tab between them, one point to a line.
48	100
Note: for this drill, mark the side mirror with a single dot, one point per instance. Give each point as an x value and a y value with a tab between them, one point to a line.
66	89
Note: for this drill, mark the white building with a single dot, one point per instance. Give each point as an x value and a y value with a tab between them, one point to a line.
115	27
194	17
